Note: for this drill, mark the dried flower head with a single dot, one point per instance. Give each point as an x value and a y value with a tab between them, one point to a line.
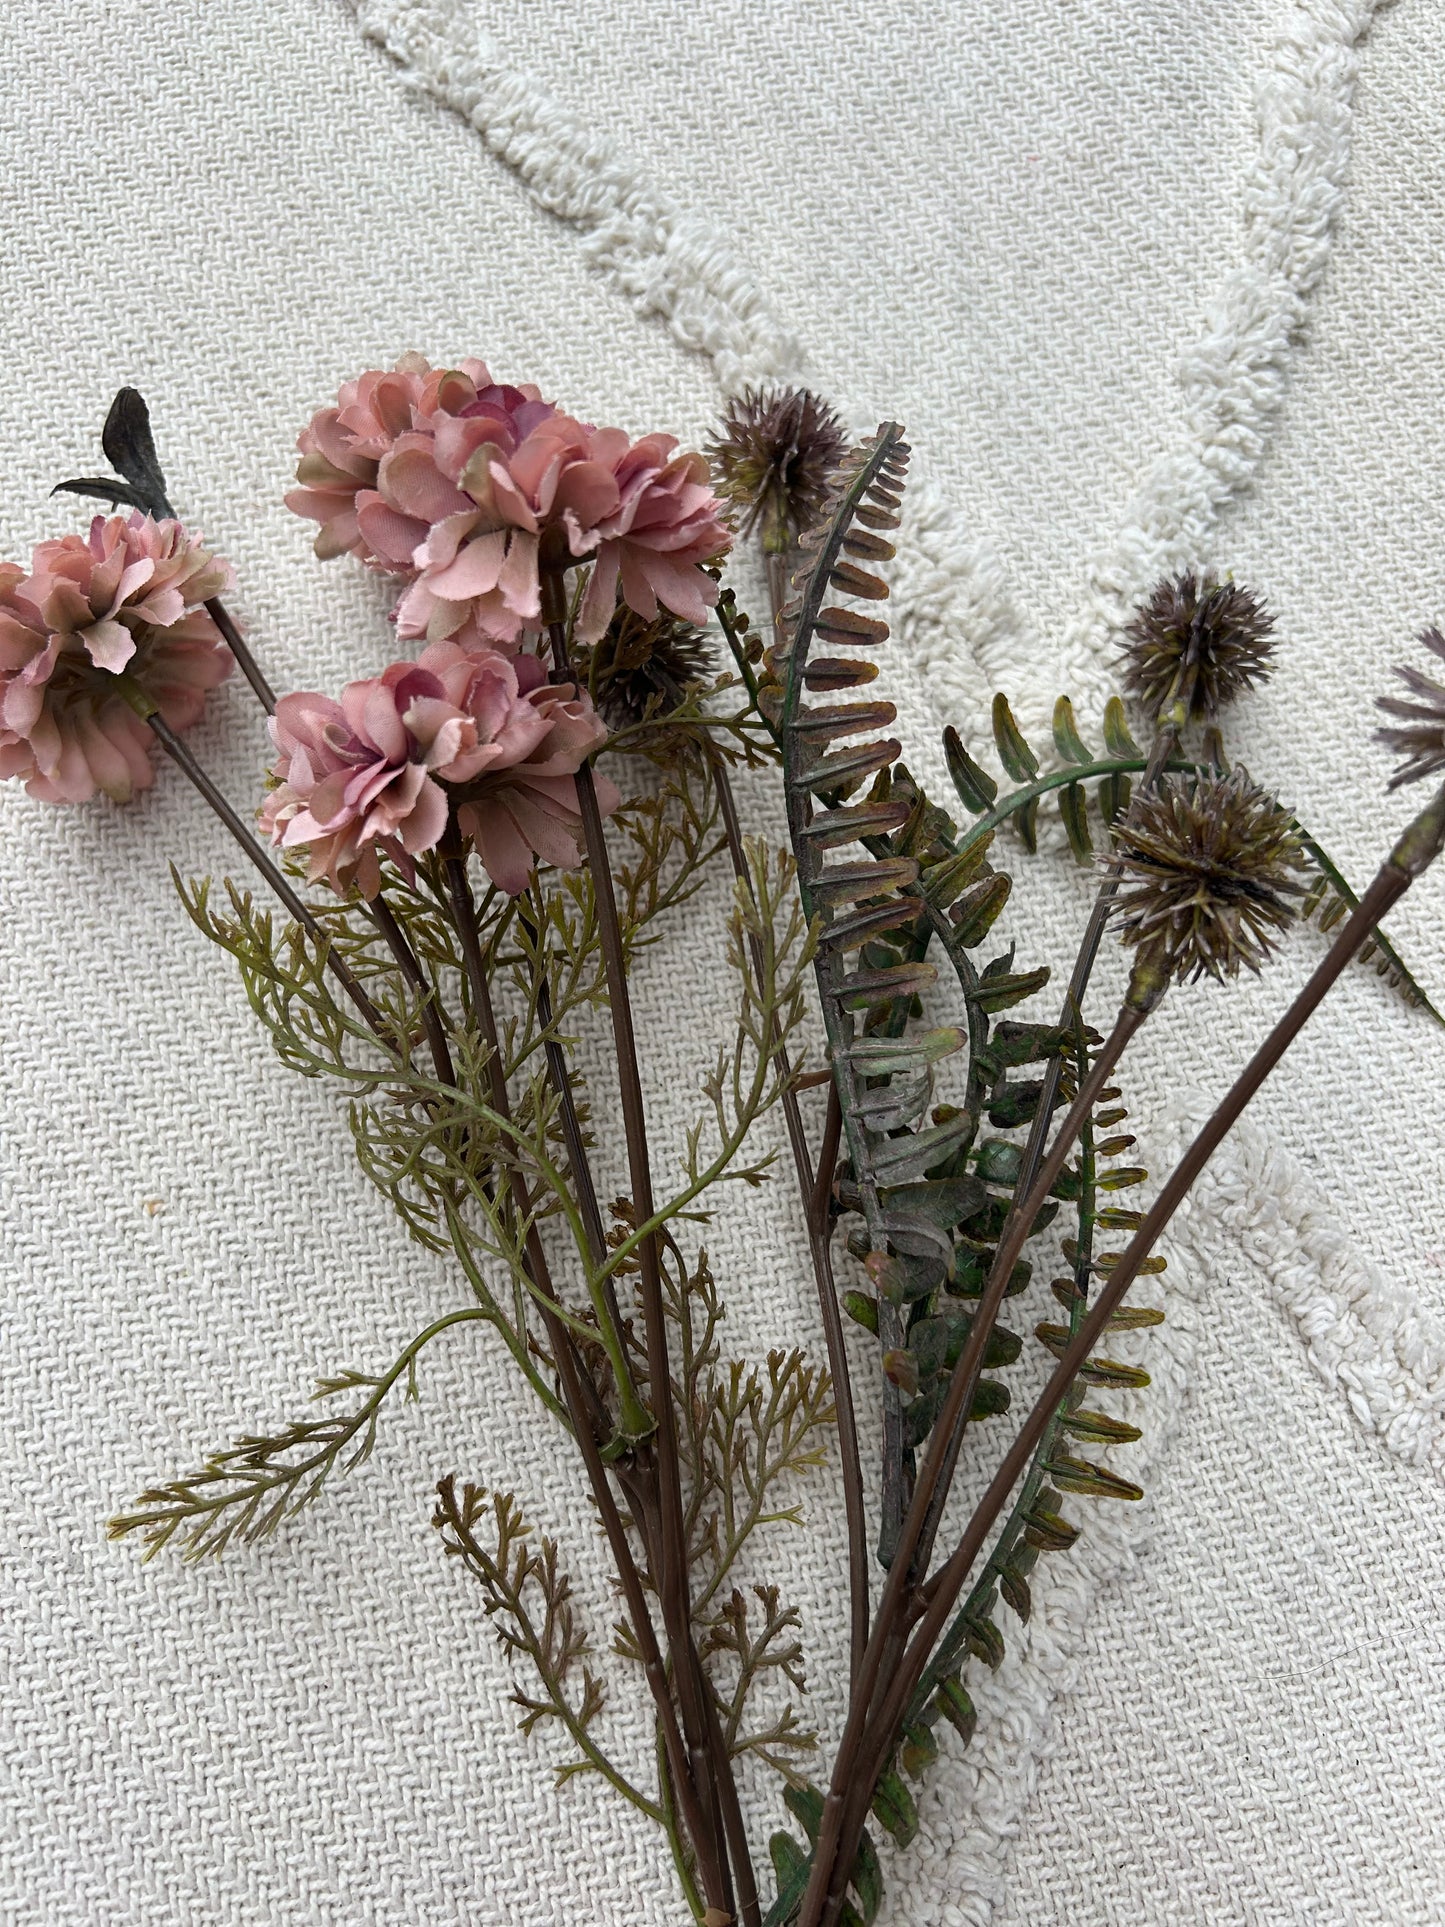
639	662
1422	740
1207	883
126	597
774	458
1200	639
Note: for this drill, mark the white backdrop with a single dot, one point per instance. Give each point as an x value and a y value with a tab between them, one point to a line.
1149	286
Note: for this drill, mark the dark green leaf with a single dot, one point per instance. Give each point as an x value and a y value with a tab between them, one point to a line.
867	1879
945	1202
975	911
1014	1589
862	1309
1046	1528
894	1809
1003	992
1066	734
942	882
805	1803
1116	731
976	788
131	451
1100	1427
1026	822
1074	809
790	1861
1114	794
990	1398
919	1750
984	1639
1079	1475
970	1274
1013	752
957	1708
999	1161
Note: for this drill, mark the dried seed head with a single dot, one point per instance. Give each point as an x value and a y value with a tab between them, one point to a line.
1200	639
774	458
644	662
1422	740
1206	883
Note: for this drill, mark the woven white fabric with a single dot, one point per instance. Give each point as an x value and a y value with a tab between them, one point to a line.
1146	291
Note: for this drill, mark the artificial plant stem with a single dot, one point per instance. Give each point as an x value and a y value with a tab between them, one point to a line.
671	1576
250	668
937	1469
184	761
577	1159
1417	849
937	1475
409	965
464	917
585	1413
816	1189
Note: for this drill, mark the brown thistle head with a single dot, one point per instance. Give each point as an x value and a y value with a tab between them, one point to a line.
645	662
1208	875
773	459
1199	641
1422	739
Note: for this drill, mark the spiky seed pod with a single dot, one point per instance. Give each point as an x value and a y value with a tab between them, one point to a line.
1206	874
642	662
1199	638
1422	740
774	459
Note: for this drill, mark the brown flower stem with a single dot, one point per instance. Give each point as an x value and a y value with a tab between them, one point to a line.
409	965
184	761
464	917
1420	845
711	1757
937	1475
577	1160
896	1605
235	642
589	1418
1165	745
816	1189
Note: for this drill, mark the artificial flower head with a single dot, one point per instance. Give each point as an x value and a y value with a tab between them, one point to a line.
515	775
1195	637
1422	740
128	598
774	459
343	448
475	731
358	775
639	663
1207	874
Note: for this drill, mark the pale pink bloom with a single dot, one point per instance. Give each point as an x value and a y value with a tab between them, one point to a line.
126	597
342	448
516	791
361	773
566	493
665	523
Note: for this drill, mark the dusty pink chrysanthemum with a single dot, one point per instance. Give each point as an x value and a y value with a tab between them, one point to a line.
566	494
342	448
665	524
358	773
126	597
367	774
516	777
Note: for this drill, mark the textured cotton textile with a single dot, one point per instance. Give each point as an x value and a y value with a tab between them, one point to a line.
1150	286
